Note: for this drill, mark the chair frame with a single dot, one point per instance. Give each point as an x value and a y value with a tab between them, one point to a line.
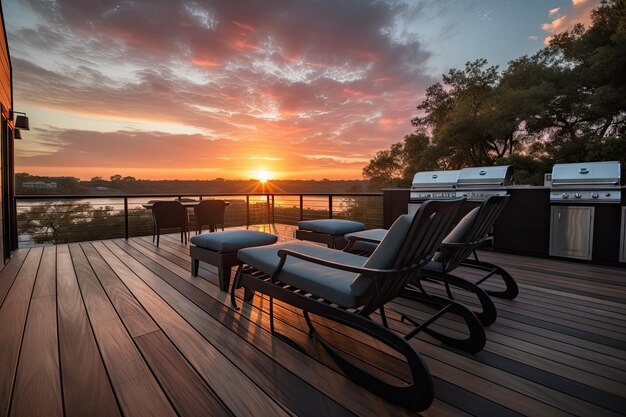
457	254
429	226
156	228
201	205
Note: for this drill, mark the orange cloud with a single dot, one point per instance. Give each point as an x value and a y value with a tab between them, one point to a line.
206	62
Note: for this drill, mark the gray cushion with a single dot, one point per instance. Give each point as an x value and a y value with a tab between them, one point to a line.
329	283
331	226
232	240
364	246
386	252
457	235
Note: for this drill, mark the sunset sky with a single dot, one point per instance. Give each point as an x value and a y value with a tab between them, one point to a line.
168	89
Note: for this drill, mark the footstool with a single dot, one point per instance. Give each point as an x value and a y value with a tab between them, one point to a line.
328	231
220	249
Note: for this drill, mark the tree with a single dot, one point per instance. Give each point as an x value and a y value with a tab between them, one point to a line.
465	117
386	167
566	103
116	177
48	221
396	167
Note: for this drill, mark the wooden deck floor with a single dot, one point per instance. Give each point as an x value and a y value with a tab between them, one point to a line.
122	328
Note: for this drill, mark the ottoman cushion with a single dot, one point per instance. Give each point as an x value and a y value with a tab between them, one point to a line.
331	226
232	240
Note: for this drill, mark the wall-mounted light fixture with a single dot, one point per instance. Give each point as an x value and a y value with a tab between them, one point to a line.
17	134
21	122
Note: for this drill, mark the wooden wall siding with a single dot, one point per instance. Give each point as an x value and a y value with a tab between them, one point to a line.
122	328
5	72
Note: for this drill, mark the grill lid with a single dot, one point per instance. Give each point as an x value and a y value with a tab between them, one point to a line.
586	174
485	177
435	180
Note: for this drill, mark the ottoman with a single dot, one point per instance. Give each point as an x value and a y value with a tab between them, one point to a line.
328	231
220	249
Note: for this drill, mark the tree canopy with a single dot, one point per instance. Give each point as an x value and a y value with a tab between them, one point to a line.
566	103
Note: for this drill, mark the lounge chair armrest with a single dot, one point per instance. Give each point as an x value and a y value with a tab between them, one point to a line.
283	253
363	239
446	245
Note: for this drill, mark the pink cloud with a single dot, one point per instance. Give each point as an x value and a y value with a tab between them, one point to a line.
256	82
562	21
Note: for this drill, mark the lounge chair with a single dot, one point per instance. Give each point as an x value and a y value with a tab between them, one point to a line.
467	236
348	288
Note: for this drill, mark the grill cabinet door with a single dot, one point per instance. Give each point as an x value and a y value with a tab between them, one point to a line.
571	231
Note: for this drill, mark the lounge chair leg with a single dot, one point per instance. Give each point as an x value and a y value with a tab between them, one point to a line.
477	338
272	315
383	316
510	292
233	299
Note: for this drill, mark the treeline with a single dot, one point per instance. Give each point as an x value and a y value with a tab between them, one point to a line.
118	184
566	103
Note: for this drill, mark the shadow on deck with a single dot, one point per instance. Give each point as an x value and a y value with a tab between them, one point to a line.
122	328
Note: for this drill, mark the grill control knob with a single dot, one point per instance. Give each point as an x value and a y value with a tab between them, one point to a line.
564	195
607	194
577	195
595	195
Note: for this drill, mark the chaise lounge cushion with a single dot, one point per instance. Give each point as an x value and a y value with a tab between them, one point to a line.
385	253
331	226
457	235
232	240
331	284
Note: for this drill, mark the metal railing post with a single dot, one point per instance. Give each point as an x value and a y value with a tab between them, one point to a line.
301	207
126	218
247	210
273	207
330	206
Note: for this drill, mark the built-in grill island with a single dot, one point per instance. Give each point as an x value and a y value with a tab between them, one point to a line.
585	210
581	215
432	185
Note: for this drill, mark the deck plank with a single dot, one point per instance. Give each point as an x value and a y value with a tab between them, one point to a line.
38	374
12	322
136	389
86	387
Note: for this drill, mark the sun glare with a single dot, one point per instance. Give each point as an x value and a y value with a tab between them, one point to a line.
263	176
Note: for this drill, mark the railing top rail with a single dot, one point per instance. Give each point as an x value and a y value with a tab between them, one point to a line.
99	196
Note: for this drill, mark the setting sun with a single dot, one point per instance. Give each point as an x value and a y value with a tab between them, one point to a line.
262	175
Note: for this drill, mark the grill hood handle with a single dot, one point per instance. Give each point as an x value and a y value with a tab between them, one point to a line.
557	182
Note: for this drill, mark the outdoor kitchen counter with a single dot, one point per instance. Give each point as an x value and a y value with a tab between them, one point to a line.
524	225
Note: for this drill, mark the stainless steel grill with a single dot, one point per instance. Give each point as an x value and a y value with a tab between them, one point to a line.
429	185
586	182
478	183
